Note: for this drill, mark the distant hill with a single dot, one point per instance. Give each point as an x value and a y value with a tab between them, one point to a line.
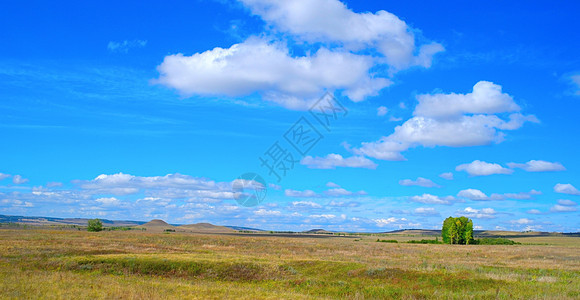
156	225
205	227
319	231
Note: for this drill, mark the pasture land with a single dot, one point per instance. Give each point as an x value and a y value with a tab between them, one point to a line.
49	264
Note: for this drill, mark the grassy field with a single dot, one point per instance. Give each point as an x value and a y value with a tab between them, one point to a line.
56	264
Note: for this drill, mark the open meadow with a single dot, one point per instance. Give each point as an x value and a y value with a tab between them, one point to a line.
68	263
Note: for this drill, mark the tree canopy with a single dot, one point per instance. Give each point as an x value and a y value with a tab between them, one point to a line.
95	225
457	231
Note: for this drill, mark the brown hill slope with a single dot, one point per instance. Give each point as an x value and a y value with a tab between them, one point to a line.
156	225
204	227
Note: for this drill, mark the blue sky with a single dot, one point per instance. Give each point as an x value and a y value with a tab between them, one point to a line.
152	110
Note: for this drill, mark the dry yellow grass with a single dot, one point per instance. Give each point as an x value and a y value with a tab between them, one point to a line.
142	265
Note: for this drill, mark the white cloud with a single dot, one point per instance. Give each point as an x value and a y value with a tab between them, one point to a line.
333	59
485	213
427	211
562	208
17	179
522	221
486	98
453	120
566	188
304	205
265	212
111	201
257	65
432	199
4	176
332	185
420	181
323	216
482	168
300	194
17	203
576	80
331	21
331	161
538	166
447	175
275	186
334	203
395	119
125	45
534	212
171	185
154	201
477	195
385	222
382	110
339	192
567	202
472	194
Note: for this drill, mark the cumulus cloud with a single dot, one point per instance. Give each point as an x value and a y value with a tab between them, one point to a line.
382	30
257	65
332	185
432	199
566	188
331	161
15	203
426	211
482	168
484	213
472	194
265	212
110	201
333	59
562	208
453	120
333	192
420	181
486	98
300	194
17	179
301	205
522	221
538	166
534	212
340	192
128	184
4	176
477	195
382	110
447	175
567	202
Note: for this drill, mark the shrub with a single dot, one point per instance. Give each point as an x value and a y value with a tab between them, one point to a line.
424	242
387	241
95	225
495	241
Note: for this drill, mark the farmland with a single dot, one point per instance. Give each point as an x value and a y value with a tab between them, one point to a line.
43	262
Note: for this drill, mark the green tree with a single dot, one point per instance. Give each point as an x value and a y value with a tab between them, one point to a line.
95	225
445	230
457	231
